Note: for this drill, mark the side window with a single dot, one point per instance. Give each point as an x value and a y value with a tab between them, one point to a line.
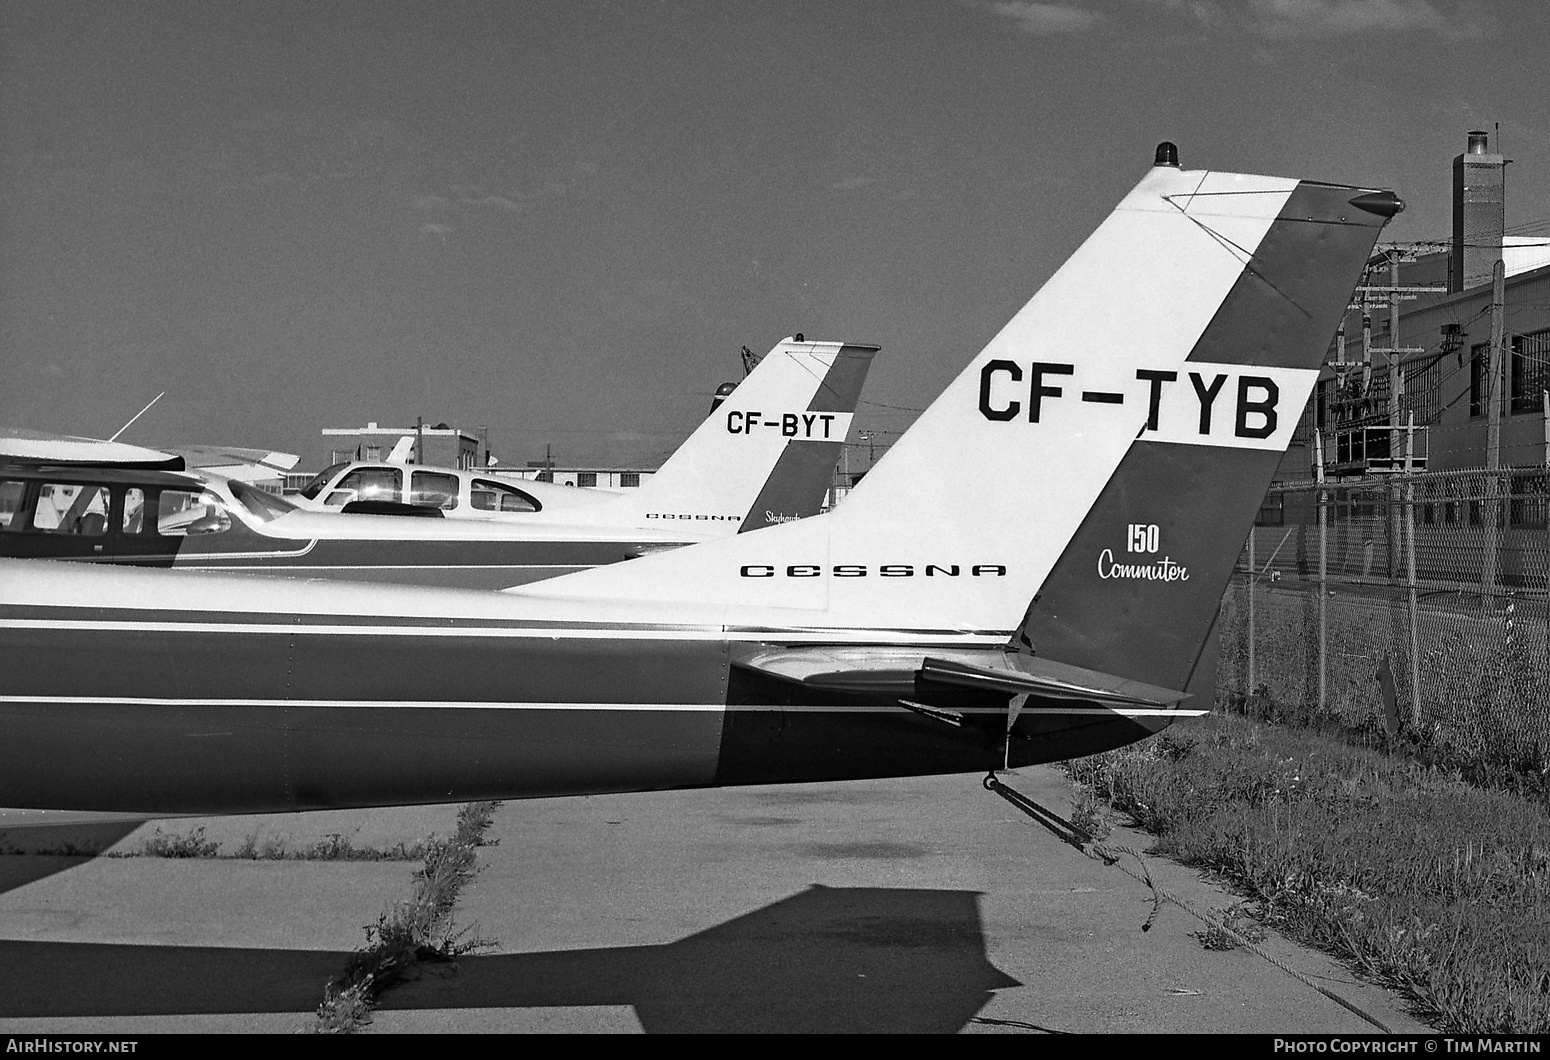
13	495
490	496
433	488
134	510
315	484
372	484
185	513
72	508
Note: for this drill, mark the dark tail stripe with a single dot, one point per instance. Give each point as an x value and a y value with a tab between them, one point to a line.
803	473
1282	312
1146	614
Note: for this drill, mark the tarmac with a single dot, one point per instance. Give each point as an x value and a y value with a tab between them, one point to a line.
921	905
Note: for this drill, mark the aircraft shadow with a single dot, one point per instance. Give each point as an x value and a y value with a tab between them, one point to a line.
30	854
826	959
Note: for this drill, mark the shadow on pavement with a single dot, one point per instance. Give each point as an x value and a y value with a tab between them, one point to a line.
827	959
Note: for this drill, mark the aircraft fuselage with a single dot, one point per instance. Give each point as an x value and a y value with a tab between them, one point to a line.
294	710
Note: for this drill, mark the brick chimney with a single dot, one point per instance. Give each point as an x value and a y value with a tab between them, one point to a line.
1479	201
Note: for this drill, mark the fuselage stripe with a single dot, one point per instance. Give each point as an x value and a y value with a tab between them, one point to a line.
346	704
704	633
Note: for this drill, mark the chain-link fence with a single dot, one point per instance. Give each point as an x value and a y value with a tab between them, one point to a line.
1414	602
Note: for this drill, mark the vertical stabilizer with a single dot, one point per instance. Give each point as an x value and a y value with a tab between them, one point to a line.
1136	591
766	454
1152	383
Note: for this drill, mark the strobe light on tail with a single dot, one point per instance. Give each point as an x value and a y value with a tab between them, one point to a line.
1132	413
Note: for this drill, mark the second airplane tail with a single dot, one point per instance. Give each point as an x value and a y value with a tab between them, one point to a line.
766	454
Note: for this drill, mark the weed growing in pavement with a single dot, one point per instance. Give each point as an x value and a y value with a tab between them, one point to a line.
1237	926
332	847
189	845
1090	814
1427	883
414	934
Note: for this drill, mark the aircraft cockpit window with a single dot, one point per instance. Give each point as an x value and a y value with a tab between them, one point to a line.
72	508
13	495
262	504
490	496
433	489
372	484
181	513
321	479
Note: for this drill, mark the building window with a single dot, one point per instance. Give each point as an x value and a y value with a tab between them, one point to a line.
1421	388
1272	510
586	478
1529	371
629	478
546	476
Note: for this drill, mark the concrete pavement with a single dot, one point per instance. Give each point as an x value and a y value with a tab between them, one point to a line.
915	905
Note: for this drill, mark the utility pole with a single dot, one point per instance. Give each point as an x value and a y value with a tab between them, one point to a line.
1493	436
870	438
1396	376
419	440
1393	293
1415	611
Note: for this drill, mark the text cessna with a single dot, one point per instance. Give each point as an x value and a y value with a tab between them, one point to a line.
881	570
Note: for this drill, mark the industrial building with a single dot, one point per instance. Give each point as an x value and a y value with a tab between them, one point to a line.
1415	347
440	446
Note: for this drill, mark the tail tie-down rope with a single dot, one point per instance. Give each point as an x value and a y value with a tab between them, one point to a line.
1084	842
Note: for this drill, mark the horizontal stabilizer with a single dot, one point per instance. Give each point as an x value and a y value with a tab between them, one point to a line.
900	672
1026	674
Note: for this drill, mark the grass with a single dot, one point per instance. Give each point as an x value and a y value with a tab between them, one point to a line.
188	845
1484	706
414	934
1423	881
332	847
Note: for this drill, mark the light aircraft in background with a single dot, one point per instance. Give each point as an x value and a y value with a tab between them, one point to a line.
935	622
730	473
682	495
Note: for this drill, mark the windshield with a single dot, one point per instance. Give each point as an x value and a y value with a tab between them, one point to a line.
263	504
313	488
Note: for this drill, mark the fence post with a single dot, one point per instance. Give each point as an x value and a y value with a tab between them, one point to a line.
1321	498
1251	612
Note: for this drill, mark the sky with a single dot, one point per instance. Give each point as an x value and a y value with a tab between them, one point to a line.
560	220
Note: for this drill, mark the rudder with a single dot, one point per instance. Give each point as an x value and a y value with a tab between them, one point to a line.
1136	591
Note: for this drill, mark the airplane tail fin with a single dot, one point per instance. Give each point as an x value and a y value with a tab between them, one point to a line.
1136	590
767	453
1081	490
